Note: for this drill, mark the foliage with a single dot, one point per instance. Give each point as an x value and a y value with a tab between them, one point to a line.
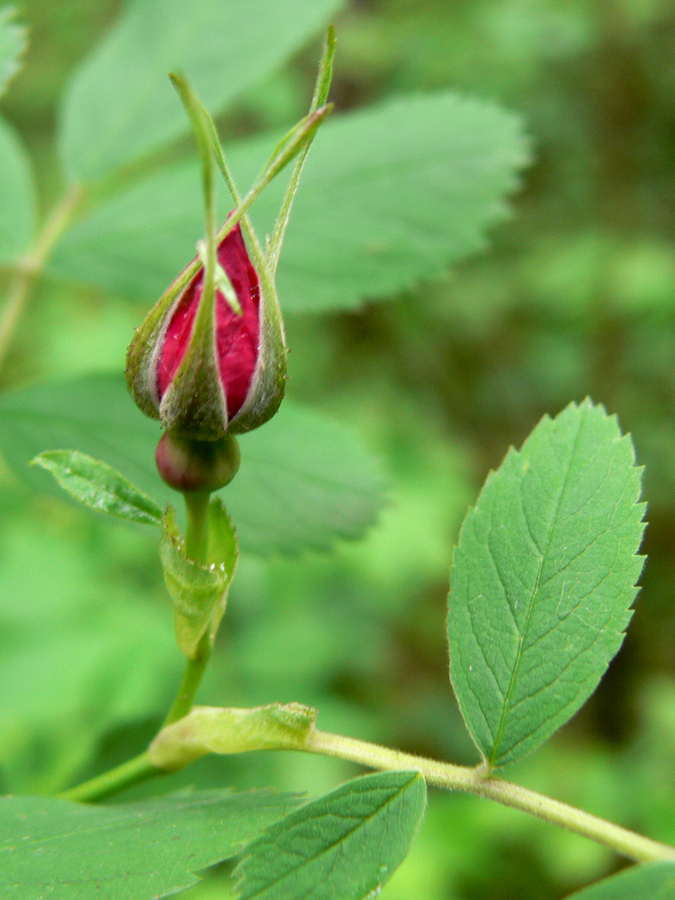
575	298
148	849
349	841
542	580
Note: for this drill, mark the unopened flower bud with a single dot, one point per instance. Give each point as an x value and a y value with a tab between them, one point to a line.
207	369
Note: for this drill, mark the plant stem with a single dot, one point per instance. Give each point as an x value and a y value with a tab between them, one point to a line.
31	265
473	781
194	670
197	532
131	772
232	731
140	768
197	548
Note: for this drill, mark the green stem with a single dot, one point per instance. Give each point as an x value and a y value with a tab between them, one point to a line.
31	266
197	532
291	727
473	781
140	768
194	671
197	547
135	770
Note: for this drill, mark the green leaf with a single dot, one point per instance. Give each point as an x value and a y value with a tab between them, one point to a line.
389	196
542	581
17	196
199	592
98	486
120	105
653	881
131	851
12	45
304	481
346	844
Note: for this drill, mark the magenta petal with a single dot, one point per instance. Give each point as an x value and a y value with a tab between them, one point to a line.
177	336
237	338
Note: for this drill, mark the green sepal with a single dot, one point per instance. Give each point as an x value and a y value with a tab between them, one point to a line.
269	380
198	591
144	347
194	405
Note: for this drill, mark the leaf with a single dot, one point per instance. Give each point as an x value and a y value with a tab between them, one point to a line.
542	581
346	844
98	486
130	851
199	592
653	881
17	196
304	481
12	45
389	196
121	106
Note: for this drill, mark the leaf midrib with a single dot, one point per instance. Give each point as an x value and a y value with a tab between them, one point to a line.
361	823
502	723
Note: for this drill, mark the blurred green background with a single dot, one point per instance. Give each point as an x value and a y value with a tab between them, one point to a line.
575	296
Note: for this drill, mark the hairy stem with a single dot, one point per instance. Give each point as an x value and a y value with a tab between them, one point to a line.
473	781
291	727
30	266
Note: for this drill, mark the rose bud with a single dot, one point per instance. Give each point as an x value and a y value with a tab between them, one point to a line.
207	369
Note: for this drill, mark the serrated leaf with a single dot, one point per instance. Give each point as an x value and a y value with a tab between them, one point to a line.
653	881
304	481
542	581
17	196
346	844
12	45
99	486
199	592
389	196
134	851
120	105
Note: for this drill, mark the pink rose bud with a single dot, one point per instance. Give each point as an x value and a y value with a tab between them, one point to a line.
210	369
